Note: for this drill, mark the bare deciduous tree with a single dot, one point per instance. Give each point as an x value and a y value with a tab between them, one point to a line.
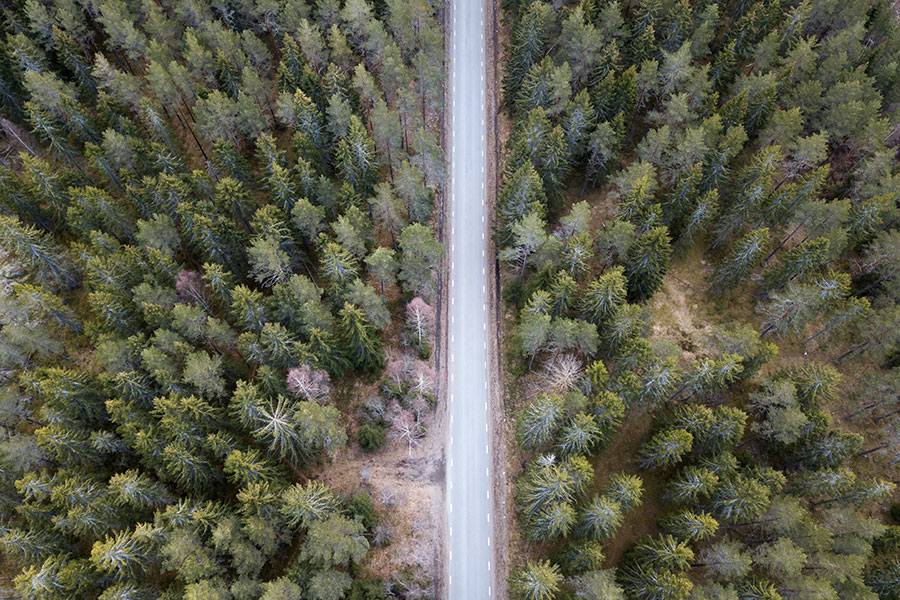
309	384
408	429
420	320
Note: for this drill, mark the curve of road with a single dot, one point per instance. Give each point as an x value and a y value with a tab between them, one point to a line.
468	451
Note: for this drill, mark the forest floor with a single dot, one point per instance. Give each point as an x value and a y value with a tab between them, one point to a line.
683	318
407	486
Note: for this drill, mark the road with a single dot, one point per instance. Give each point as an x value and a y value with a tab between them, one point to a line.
468	464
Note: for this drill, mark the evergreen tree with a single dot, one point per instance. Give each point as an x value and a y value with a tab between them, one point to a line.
603	296
747	253
527	45
666	448
419	259
536	581
37	251
647	263
600	518
355	157
528	235
521	194
690	526
537	423
359	339
798	262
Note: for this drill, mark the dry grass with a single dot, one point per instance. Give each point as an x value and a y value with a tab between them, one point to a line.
407	487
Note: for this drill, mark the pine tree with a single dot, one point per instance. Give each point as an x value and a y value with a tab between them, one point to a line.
626	490
419	259
334	541
553	521
544	483
337	264
521	194
189	469
363	348
647	263
739	499
382	264
48	305
532	334
603	145
580	435
246	467
699	218
663	552
537	423
579	557
37	251
123	556
536	581
303	505
666	448
138	490
579	121
301	113
248	308
355	157
600	518
726	559
752	187
275	427
527	45
646	583
603	296
528	235
800	261
690	526
598	585
747	253
885	580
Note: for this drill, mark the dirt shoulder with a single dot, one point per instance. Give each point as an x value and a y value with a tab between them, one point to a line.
439	432
500	427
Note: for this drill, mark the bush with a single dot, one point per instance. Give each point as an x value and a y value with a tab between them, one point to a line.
889	541
512	292
371	437
361	505
895	512
367	589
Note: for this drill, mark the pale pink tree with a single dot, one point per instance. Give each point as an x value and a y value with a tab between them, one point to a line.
561	374
376	407
190	288
397	370
421	378
309	384
420	320
407	429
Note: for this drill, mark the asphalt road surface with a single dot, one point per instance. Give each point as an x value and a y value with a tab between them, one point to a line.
468	464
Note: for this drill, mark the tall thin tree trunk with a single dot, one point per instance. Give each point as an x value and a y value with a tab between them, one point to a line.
783	242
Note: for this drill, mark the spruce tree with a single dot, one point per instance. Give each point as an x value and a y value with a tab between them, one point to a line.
747	253
647	263
357	334
536	581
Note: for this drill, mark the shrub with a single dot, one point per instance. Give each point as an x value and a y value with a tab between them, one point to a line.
371	437
361	505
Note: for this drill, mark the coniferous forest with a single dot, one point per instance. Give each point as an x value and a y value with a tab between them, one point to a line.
220	304
218	225
698	224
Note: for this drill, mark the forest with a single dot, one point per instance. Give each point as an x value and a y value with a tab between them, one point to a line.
697	222
219	249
